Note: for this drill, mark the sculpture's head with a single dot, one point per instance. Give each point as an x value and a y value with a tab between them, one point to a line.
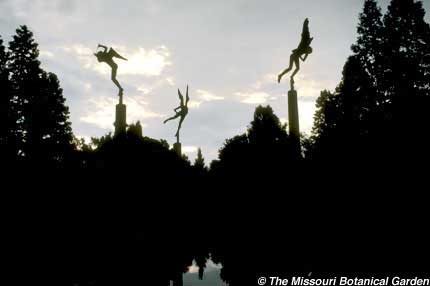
309	50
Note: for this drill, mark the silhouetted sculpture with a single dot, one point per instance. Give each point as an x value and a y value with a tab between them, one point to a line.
304	48
181	111
106	56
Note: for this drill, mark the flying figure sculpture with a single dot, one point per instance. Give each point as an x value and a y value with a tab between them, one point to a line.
106	56
304	49
180	111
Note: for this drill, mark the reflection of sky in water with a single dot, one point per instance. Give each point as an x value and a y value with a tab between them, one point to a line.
211	276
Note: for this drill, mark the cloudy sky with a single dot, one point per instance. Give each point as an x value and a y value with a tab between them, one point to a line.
228	51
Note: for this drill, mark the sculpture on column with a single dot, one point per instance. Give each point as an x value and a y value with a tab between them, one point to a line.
304	49
180	111
300	53
106	56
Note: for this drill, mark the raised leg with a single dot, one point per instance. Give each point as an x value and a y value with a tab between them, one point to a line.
287	69
171	118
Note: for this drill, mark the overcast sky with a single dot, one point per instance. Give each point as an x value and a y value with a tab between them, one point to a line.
228	51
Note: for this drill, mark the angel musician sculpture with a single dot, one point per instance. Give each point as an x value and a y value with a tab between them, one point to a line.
106	56
304	49
180	111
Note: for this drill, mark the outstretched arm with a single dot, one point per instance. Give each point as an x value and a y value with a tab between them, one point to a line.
304	58
181	97
102	46
187	98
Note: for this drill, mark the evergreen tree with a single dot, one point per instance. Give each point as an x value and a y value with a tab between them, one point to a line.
266	128
25	79
406	79
325	122
383	93
342	120
368	48
264	150
43	128
406	50
6	122
199	163
369	51
53	121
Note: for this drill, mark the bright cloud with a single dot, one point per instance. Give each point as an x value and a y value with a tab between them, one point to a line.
203	96
140	61
283	120
193	268
79	50
306	114
257	97
269	78
154	84
101	113
170	81
46	54
259	92
194	104
189	149
82	53
87	87
311	89
145	62
144	89
210	266
207	96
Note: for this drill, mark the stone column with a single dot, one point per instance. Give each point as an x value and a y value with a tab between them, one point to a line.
293	121
120	118
178	148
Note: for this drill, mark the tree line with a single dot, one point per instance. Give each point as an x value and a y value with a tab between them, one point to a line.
376	117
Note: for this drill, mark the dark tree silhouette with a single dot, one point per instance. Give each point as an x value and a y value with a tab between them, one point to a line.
264	150
252	166
199	167
200	161
406	57
368	48
384	91
7	126
25	76
406	50
44	131
343	119
55	128
135	129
